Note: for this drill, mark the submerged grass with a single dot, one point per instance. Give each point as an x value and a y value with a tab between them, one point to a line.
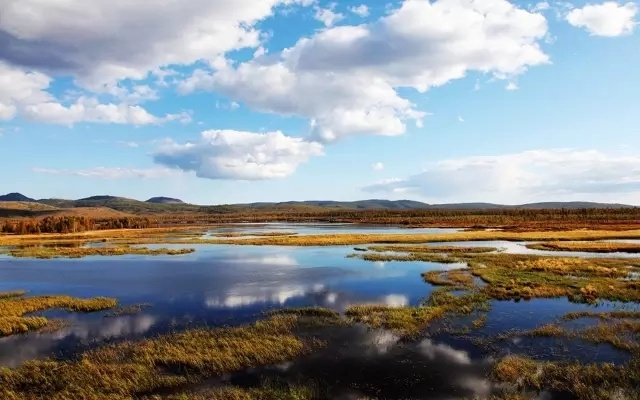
135	369
13	310
589	247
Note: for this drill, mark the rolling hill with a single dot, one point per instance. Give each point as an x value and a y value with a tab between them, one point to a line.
156	205
16	197
164	200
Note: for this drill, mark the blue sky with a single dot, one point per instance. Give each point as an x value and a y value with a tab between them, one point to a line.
272	100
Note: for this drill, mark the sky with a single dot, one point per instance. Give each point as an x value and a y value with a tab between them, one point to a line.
235	101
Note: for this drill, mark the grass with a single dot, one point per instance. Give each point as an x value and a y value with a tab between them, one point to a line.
575	380
589	247
455	278
11	295
411	321
620	329
13	310
138	368
260	234
79	252
404	321
267	391
356	239
128	310
433	249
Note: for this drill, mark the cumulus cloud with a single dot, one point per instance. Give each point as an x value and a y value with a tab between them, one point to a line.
24	93
362	10
345	79
534	175
377	166
235	155
101	42
606	19
112	172
328	16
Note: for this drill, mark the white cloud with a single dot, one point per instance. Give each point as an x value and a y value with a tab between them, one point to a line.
460	119
537	175
362	10
234	155
345	79
327	16
24	93
101	42
606	19
541	6
133	145
377	166
512	86
112	172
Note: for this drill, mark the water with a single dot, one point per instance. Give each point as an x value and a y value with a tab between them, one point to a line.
221	285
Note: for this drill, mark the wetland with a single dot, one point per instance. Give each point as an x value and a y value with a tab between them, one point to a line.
320	311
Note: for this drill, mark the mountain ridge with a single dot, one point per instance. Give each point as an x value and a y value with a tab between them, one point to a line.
169	204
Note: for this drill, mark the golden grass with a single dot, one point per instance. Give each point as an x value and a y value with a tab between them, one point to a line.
456	278
79	252
356	239
411	321
404	321
581	381
10	295
134	369
260	234
128	310
589	247
13	310
433	249
264	392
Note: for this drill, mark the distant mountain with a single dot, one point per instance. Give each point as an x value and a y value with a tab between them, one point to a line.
164	200
16	197
359	205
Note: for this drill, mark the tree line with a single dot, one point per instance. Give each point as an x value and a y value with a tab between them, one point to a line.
73	224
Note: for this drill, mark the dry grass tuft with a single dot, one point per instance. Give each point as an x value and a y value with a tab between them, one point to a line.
13	310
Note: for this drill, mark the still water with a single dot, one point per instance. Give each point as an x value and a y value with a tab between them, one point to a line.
224	285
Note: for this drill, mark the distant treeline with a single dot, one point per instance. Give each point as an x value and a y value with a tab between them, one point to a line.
547	219
73	224
512	219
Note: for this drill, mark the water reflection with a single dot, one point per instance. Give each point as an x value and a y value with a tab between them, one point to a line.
359	362
14	350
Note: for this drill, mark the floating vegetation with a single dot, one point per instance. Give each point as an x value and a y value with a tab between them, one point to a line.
588	247
13	310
